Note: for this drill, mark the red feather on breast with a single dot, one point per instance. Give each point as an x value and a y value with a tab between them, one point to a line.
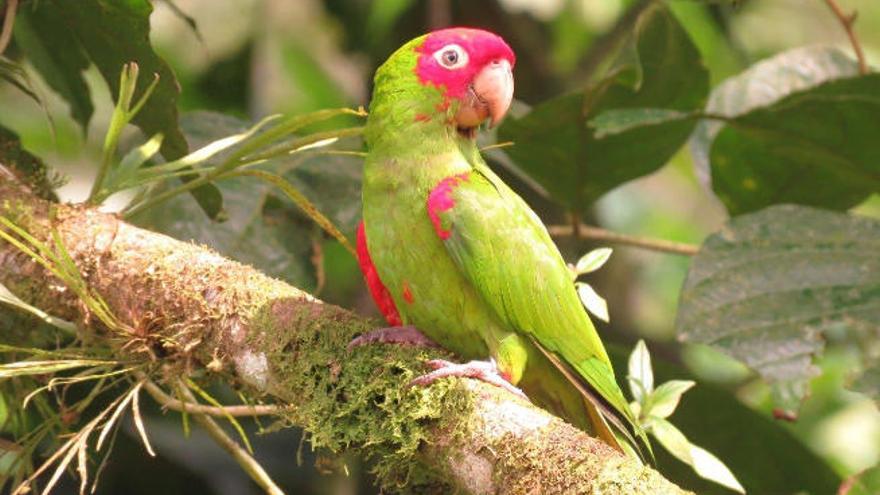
377	289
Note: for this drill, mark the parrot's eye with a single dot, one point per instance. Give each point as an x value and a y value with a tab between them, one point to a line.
451	56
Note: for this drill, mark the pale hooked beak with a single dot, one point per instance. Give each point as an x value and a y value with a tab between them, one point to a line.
489	97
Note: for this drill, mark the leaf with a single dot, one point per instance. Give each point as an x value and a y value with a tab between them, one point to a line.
594	303
815	148
28	368
115	32
619	121
780	147
710	467
555	145
765	455
769	285
593	260
665	398
640	375
672	439
49	45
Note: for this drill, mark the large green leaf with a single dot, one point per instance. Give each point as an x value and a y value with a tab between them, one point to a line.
782	145
113	33
555	145
771	287
49	45
817	148
765	457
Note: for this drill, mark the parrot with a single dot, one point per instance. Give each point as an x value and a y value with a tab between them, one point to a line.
453	257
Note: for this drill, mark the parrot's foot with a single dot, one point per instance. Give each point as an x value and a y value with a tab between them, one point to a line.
485	371
406	335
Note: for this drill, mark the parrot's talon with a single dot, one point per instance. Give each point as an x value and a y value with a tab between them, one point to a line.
403	335
485	371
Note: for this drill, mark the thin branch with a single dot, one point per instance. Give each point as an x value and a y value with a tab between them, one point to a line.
245	460
172	403
848	20
590	232
8	22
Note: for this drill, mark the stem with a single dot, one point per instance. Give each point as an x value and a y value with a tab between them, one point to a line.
245	460
848	21
8	21
590	232
174	404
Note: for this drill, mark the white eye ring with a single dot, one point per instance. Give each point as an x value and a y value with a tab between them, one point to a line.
451	56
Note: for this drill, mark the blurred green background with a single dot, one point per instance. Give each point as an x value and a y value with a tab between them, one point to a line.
251	58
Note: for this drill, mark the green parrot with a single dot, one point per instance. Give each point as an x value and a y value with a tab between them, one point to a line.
453	256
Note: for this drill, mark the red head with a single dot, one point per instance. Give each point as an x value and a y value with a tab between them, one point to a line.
472	66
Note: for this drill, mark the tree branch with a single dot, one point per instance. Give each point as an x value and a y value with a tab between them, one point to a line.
590	232
848	21
193	307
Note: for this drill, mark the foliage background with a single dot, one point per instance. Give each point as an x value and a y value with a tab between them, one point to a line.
251	58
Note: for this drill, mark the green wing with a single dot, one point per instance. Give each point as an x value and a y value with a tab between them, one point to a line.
504	250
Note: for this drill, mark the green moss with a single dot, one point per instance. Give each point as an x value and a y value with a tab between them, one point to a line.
360	402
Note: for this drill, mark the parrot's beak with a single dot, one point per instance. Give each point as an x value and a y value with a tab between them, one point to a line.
489	97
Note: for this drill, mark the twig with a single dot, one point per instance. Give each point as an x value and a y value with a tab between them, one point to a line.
848	20
245	460
590	232
191	407
8	21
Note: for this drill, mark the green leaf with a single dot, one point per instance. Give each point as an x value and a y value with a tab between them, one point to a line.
784	139
555	145
710	467
665	398
816	148
113	33
619	121
764	453
672	439
593	260
591	300
640	375
49	45
770	286
28	368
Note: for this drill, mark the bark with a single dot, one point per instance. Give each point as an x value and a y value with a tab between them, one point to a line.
188	308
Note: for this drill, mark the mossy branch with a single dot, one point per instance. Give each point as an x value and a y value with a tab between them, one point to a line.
188	307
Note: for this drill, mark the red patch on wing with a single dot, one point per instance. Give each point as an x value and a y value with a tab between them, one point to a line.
380	293
407	293
440	199
420	117
481	46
